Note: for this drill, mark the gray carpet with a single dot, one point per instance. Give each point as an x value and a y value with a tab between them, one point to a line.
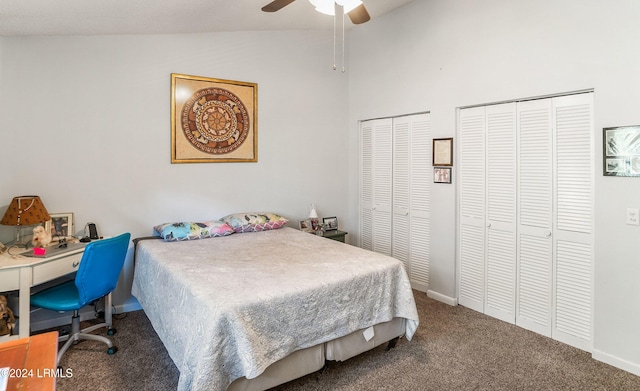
454	349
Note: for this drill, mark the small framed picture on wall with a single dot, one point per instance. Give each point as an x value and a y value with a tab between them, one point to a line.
442	175
443	151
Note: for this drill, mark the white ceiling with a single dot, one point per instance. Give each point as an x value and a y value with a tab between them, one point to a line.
109	17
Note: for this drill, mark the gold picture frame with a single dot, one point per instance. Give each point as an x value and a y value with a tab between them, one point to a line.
213	120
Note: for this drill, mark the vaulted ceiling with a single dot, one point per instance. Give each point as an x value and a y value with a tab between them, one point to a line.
115	17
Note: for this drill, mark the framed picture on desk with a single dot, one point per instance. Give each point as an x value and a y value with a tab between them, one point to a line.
60	226
330	223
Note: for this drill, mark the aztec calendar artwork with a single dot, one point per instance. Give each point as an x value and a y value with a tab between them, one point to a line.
213	120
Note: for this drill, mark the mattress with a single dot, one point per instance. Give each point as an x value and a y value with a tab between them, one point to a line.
229	307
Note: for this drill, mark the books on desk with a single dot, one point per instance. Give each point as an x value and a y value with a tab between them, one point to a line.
55	250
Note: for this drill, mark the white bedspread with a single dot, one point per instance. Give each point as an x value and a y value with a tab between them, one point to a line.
229	307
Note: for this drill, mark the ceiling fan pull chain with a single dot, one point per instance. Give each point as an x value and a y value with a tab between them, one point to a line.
342	42
334	41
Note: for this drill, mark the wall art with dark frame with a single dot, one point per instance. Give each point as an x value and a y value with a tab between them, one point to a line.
621	151
442	152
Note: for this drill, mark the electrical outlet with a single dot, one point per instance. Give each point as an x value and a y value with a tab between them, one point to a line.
633	216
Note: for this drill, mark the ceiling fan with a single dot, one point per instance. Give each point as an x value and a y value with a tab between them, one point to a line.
354	8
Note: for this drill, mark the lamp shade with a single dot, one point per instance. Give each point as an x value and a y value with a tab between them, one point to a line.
25	210
313	214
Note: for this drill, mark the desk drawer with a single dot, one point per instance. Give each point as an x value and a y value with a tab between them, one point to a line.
9	279
57	268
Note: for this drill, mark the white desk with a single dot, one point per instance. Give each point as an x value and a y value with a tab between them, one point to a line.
21	273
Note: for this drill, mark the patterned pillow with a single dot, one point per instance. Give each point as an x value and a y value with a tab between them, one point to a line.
250	222
190	231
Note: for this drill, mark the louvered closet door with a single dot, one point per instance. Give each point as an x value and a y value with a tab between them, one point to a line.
501	211
472	208
411	190
573	234
366	185
401	174
382	185
420	200
375	187
535	211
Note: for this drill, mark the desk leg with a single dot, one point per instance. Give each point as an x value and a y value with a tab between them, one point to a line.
25	301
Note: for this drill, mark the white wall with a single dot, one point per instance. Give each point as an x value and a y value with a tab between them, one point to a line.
439	55
86	126
85	121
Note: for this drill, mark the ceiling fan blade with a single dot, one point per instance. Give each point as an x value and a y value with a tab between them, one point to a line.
276	5
359	15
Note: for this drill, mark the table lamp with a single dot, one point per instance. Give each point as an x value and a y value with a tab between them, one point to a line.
25	210
313	215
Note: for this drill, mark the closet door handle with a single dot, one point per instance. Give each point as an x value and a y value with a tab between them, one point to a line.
548	234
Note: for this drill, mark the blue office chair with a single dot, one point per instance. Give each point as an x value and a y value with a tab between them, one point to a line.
96	277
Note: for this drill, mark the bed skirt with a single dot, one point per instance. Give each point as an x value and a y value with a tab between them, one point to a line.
306	361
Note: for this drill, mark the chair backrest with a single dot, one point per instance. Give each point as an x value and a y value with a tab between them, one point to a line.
100	267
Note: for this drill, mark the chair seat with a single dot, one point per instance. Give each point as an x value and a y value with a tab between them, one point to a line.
63	297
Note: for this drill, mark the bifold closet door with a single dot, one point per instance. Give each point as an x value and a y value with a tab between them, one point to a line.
375	185
526	214
395	186
488	210
472	245
535	212
411	195
573	228
555	287
501	163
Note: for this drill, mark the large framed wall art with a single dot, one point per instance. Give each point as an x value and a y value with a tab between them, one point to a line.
621	151
213	120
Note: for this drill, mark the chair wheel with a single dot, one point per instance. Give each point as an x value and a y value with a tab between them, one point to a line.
112	331
112	350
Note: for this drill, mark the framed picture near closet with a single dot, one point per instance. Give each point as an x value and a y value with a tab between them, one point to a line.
442	175
621	151
443	151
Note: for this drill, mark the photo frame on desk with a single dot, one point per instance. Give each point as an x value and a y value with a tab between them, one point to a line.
60	226
330	223
305	225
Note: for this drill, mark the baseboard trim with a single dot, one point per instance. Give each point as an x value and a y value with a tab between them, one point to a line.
616	362
440	297
128	306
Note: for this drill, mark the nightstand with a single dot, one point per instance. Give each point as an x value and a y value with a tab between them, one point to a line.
336	235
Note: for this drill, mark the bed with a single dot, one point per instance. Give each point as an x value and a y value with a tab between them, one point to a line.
254	310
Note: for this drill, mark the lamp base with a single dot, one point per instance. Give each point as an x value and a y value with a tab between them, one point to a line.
18	242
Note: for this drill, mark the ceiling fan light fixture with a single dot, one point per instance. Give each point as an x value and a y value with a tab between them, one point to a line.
327	7
323	6
349	5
